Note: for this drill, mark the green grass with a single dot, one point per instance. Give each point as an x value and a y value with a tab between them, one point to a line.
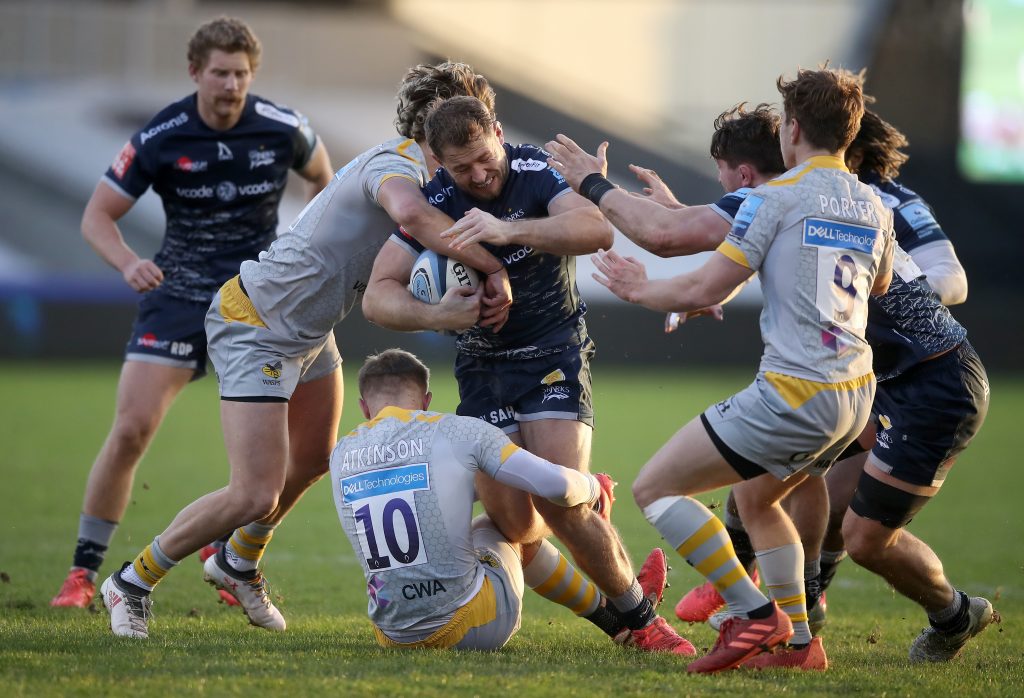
54	418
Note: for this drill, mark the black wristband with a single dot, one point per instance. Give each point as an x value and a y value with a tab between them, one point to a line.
594	186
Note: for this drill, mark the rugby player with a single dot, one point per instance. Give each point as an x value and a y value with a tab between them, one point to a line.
814	388
271	339
531	380
219	161
403	485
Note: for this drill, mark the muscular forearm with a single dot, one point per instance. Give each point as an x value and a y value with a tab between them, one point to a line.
678	294
657	229
427	224
103	235
575	232
564	487
389	304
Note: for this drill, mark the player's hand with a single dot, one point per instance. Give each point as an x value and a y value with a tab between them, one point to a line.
143	275
674	320
654	188
574	163
623	276
459	308
479	226
496	301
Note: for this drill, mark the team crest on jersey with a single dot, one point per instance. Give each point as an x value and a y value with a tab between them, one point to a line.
272	371
488	558
123	160
261	158
224	152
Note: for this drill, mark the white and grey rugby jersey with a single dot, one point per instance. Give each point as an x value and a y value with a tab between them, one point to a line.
403	484
313	274
816	236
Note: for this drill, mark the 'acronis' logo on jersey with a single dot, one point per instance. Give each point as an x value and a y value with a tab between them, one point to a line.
820	232
745	215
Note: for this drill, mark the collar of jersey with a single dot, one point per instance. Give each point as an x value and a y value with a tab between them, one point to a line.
396	412
818	162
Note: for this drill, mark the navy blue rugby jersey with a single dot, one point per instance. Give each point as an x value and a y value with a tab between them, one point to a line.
913	219
220	189
905	325
547	311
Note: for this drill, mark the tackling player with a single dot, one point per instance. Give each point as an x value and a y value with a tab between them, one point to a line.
271	338
531	380
821	242
219	161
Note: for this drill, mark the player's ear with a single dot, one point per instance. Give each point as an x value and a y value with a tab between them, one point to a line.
426	400
746	174
365	408
498	133
193	72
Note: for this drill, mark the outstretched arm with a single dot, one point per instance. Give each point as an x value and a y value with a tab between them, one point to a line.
664	231
710	284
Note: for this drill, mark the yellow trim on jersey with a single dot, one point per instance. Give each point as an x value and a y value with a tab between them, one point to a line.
703	534
507	450
734	253
818	162
235	306
481	610
796	391
404	146
391	175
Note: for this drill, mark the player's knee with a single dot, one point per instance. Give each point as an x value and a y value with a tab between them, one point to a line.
645	492
864	539
132	433
253	504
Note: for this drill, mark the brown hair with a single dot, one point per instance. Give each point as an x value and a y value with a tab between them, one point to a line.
228	34
879	143
425	83
751	137
828	104
456	121
391	370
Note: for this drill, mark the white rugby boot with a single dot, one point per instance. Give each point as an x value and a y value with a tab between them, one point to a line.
129	610
250	590
935	646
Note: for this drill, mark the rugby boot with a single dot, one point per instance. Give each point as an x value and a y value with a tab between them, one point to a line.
742	638
810	657
76	592
129	606
658	636
205	553
607	496
700	603
936	646
653	576
249	589
816	615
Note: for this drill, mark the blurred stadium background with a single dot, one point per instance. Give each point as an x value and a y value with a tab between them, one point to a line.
78	76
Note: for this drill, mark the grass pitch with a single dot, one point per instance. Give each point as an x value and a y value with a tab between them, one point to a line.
55	417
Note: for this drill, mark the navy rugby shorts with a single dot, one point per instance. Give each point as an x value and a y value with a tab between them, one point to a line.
504	392
927	415
169	331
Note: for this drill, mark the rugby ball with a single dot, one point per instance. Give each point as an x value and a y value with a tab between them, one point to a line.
433	274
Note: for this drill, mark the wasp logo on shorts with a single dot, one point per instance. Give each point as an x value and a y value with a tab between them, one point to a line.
272	371
488	558
556	376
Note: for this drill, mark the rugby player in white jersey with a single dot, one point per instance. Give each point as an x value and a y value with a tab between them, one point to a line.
271	339
403	485
821	242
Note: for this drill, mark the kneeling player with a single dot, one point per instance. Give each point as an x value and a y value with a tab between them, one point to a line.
403	484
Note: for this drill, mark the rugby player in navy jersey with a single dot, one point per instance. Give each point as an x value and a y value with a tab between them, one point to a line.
531	379
931	384
219	161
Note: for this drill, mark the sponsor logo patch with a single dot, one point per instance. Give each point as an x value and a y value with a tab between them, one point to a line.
261	158
745	215
821	232
227	191
528	165
272	112
178	120
123	160
185	164
404	478
556	392
224	152
555	376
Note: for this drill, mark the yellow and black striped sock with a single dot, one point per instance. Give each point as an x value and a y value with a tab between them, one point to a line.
149	567
551	575
246	545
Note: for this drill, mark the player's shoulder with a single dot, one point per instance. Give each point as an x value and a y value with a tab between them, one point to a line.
174	118
730	203
461	428
272	114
